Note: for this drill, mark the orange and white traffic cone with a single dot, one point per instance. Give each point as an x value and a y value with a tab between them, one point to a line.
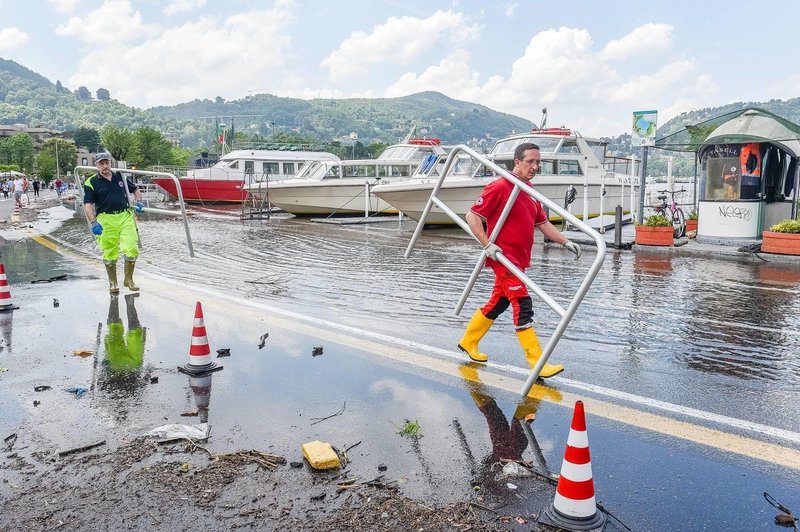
199	352
5	292
574	506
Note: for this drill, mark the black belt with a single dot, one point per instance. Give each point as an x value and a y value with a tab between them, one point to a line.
114	212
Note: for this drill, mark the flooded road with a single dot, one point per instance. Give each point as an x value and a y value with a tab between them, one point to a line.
701	333
710	334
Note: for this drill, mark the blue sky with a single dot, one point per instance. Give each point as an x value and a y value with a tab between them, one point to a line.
590	63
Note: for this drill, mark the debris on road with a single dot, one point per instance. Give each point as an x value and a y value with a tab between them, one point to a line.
192	413
79	392
83	353
316	351
263	340
320	455
41	388
176	431
321	419
223	352
82	448
10	441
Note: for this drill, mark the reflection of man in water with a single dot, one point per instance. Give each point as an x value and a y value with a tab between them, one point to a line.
508	439
124	350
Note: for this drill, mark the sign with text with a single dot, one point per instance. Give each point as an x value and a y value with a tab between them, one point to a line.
729	219
643	130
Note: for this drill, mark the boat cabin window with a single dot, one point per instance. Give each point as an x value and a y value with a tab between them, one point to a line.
569	168
547	167
270	168
288	168
399	152
394	170
506	147
568	146
249	167
234	165
599	150
360	171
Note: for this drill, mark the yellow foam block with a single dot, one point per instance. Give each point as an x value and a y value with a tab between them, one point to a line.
321	455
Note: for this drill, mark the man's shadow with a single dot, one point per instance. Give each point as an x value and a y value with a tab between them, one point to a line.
509	439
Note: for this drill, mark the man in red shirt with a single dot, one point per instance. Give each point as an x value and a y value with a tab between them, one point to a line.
515	242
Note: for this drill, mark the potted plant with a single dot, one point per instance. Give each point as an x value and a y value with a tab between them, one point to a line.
783	238
691	222
657	230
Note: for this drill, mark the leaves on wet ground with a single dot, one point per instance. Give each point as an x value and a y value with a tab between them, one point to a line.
411	429
83	353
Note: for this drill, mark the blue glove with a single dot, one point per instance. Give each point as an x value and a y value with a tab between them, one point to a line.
139	207
97	228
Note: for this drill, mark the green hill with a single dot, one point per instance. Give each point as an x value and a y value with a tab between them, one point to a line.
29	98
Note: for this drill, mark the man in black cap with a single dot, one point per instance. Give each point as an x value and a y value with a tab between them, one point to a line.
106	205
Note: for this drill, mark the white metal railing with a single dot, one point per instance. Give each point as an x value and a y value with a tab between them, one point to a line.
91	169
564	314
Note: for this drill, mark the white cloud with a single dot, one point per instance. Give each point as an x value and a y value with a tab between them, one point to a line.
646	87
202	58
789	87
64	6
644	40
181	6
113	23
398	40
451	76
510	8
11	38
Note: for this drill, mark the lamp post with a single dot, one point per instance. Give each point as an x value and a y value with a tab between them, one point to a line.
354	138
58	168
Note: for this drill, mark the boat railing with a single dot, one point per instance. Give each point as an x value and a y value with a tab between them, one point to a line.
565	315
82	170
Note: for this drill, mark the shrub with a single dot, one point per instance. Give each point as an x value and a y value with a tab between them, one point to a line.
658	220
693	215
786	226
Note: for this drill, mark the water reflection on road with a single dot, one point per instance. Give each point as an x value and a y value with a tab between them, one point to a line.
713	334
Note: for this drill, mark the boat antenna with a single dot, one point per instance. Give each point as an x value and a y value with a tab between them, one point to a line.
544	118
411	133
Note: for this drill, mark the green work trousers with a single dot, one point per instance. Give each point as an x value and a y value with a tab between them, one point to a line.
119	234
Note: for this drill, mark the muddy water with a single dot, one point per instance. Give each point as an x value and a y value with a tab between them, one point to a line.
709	333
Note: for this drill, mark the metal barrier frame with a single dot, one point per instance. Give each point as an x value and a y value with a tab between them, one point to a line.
564	314
92	169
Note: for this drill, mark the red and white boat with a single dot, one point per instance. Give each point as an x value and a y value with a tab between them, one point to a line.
224	182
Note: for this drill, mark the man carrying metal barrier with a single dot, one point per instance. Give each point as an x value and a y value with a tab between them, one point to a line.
514	241
106	205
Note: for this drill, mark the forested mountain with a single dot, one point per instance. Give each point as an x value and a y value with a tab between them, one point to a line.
28	98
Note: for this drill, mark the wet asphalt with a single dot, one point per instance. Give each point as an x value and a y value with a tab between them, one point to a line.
728	327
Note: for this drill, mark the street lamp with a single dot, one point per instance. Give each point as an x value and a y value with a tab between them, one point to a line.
354	137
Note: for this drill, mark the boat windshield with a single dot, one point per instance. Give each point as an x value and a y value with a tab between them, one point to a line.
318	170
399	152
505	148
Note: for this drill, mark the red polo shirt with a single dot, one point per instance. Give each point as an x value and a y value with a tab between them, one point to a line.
516	237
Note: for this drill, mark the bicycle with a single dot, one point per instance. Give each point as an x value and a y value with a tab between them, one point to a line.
672	211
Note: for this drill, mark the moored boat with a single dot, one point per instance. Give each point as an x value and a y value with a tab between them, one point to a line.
344	187
569	161
224	182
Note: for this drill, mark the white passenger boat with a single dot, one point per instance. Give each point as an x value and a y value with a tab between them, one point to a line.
344	187
224	181
568	160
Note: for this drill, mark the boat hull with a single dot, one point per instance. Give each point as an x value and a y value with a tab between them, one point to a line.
411	199
205	190
319	198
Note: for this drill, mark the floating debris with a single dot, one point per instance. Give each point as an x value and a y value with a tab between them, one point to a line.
263	340
83	353
316	351
223	352
41	388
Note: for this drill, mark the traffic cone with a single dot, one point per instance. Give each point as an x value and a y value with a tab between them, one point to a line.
199	352
201	389
574	506
5	292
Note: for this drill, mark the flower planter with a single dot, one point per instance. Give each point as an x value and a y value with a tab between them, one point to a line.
691	225
654	236
783	243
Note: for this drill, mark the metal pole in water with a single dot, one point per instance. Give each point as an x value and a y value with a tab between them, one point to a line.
366	199
618	227
642	182
585	190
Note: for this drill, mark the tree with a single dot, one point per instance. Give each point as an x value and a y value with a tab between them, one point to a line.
86	137
83	93
121	143
47	164
59	86
18	150
153	148
103	94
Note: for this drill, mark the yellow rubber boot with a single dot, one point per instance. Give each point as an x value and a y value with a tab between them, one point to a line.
477	327
111	271
533	350
128	282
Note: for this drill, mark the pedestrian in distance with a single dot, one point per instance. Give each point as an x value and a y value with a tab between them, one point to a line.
36	185
17	189
5	189
107	209
58	184
514	241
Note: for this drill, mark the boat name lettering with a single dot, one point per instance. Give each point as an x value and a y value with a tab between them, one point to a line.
731	211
